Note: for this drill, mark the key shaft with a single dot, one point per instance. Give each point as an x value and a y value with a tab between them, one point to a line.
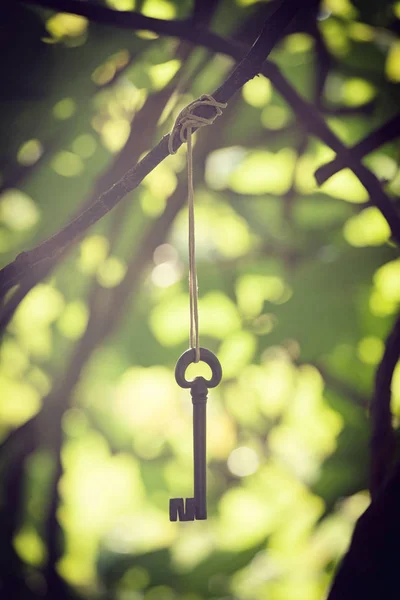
199	399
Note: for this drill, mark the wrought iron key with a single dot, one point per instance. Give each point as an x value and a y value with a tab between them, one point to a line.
196	508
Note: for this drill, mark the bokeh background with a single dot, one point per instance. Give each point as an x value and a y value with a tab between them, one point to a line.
298	288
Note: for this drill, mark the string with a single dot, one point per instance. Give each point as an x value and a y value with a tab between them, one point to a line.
185	123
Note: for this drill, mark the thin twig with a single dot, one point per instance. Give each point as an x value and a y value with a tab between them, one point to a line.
348	111
386	133
15	174
383	440
341	387
317	126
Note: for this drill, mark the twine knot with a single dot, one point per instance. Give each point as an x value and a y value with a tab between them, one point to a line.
187	120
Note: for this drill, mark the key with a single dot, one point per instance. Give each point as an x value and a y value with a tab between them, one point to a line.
196	508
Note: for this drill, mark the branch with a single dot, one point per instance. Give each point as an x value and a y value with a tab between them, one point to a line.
17	173
117	18
341	386
191	29
370	569
244	71
383	441
347	111
52	531
28	282
316	125
11	567
323	62
203	10
388	132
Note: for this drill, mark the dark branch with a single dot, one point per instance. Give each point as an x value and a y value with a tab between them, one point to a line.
203	11
383	441
346	111
317	126
17	173
118	18
342	387
388	132
27	283
370	568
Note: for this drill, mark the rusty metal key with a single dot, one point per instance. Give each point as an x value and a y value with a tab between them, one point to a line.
195	508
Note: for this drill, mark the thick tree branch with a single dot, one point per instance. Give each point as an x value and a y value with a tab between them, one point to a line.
387	133
370	569
244	71
383	441
52	534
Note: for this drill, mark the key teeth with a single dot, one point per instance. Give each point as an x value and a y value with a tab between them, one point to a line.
190	512
180	511
175	508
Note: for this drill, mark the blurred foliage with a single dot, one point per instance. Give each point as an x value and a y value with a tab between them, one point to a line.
298	288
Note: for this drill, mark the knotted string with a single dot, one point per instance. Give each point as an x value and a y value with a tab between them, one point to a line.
185	123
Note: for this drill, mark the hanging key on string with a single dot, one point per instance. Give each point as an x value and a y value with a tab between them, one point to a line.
195	508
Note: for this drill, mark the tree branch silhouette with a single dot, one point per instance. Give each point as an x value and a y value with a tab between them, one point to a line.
388	132
369	569
383	440
317	126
